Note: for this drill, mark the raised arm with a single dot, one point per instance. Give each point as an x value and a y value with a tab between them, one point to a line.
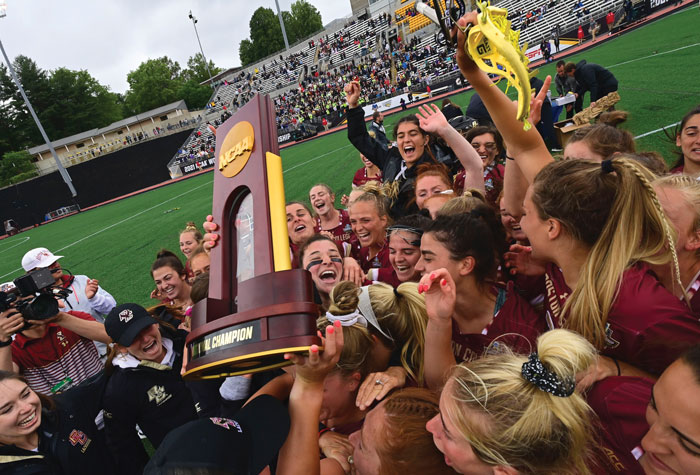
357	131
527	147
433	120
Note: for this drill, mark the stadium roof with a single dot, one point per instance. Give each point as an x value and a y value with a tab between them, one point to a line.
135	119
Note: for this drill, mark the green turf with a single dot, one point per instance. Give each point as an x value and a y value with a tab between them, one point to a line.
118	242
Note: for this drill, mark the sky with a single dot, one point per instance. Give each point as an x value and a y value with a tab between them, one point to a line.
109	38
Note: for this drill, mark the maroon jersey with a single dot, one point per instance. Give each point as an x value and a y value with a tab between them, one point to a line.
514	318
384	274
377	262
361	177
493	181
621	402
342	232
647	326
694	295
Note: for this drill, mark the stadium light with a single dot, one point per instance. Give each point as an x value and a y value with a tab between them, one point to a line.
206	63
284	32
61	168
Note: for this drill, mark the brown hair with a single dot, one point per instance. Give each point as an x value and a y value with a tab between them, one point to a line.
407	446
677	131
604	138
413	120
469	200
305	245
486	129
618	216
653	161
200	287
190	227
166	258
568	67
46	401
691	357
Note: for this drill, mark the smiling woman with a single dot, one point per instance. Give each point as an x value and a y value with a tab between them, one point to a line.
43	435
145	386
170	277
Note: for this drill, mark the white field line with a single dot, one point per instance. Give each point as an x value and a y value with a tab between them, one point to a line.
651	132
26	238
316	158
117	223
653	55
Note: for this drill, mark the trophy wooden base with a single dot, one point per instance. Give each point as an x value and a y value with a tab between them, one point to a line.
255	338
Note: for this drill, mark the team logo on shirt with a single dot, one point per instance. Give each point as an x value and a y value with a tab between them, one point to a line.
158	394
78	437
61	338
226	423
126	315
610	342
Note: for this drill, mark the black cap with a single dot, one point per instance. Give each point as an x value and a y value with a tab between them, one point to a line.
245	444
124	322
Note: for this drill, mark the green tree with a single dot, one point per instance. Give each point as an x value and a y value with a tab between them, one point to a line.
305	20
153	84
266	33
80	103
197	69
15	167
195	95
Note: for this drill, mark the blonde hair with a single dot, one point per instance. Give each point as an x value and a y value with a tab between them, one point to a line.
469	200
619	216
357	339
401	313
517	424
690	189
190	227
373	193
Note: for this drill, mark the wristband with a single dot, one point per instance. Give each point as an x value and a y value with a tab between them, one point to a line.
619	372
322	431
3	344
509	158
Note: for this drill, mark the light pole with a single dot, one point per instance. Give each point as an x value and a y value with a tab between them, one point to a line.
284	32
61	169
206	63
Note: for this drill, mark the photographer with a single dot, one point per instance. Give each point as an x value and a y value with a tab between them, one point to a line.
87	295
52	354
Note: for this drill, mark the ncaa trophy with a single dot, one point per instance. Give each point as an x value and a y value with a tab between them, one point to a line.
258	308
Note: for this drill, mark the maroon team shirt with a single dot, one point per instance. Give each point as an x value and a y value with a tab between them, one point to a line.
342	232
493	181
620	403
516	319
379	261
361	177
384	274
647	327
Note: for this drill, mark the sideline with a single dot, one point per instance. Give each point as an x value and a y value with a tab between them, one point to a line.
653	55
117	223
651	132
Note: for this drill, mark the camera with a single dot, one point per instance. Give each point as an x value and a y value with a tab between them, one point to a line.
41	287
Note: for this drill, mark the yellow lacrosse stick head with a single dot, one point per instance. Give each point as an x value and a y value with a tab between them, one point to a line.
493	40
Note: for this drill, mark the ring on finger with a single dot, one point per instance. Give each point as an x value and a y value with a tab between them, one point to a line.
379	381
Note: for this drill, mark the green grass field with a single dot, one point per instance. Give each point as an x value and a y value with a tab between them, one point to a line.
656	66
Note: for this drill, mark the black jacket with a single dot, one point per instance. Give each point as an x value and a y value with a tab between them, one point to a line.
69	441
151	395
390	163
595	78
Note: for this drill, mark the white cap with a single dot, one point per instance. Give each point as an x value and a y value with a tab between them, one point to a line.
38	258
7	286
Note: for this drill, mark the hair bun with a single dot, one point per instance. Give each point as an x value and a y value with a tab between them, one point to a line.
165	253
612	118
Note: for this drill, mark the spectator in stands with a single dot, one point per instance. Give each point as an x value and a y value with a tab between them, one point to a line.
370	172
378	128
579	33
450	110
591	77
53	354
86	294
565	84
610	21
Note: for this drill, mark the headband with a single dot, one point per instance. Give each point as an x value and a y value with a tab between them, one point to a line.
365	307
534	371
349	319
410	229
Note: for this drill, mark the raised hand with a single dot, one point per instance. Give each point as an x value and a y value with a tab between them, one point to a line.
431	119
440	295
210	237
352	91
537	101
312	369
520	261
91	288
